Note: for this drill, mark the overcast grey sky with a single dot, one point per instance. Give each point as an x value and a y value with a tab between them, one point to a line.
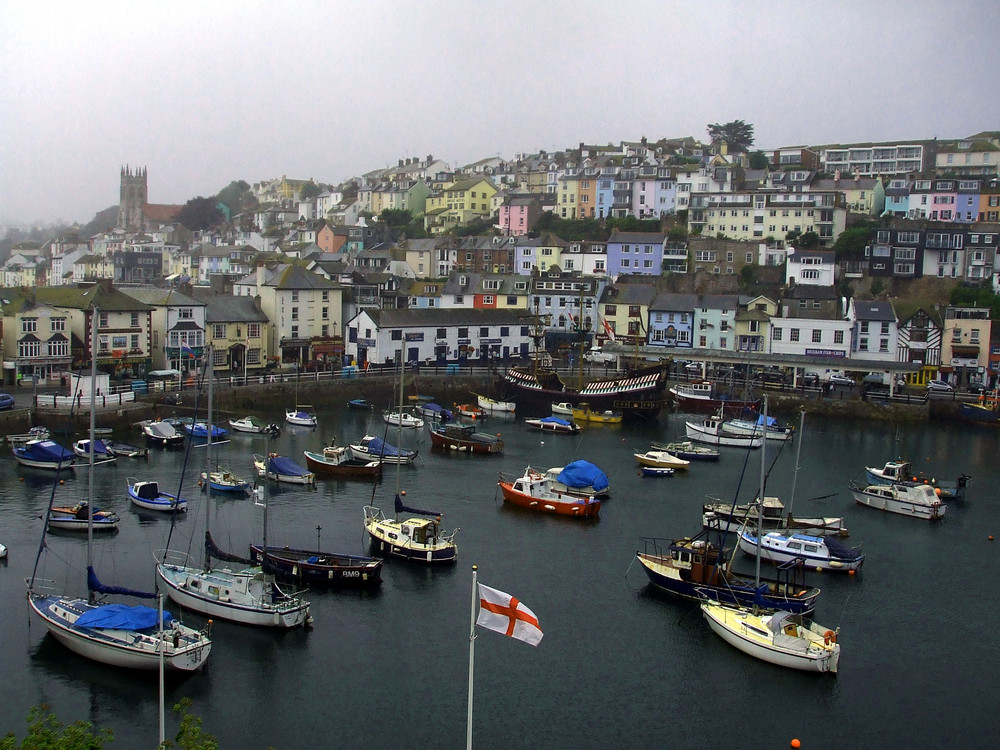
203	93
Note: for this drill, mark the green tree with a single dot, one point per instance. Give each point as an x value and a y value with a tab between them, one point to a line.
396	217
737	135
309	191
851	243
759	160
190	735
46	732
877	287
237	197
807	241
200	213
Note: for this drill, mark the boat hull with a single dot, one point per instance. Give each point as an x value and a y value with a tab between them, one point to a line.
306	567
901	507
819	560
163	502
386	538
717	437
351	467
442	440
573	506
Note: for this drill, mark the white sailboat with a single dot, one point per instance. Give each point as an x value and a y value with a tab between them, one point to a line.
778	637
301	414
240	592
136	637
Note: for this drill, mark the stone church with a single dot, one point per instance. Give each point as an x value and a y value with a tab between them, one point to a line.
135	212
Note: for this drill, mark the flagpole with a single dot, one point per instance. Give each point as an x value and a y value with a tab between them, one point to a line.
472	658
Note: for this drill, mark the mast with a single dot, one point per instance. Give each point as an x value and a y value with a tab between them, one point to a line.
208	453
798	452
760	497
579	336
90	480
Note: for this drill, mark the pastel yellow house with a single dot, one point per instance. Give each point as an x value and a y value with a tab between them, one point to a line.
753	325
459	203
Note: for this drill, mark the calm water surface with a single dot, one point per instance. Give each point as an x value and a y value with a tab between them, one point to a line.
620	664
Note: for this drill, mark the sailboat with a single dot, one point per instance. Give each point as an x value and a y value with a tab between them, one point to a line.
778	637
137	637
300	415
418	537
241	594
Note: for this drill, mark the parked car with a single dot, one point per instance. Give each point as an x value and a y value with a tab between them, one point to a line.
874	378
939	386
6	401
977	388
838	379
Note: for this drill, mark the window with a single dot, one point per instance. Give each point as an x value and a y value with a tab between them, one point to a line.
295	313
488	299
295	295
793	334
134	344
817	336
295	332
218	330
29	325
396	335
185	313
28	348
58	324
776	334
838	337
253	330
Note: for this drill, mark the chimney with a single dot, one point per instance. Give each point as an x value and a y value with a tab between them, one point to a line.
400	162
260	276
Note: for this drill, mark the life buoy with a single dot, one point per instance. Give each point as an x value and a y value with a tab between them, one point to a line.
829	637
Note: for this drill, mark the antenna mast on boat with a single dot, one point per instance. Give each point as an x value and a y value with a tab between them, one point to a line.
760	497
208	451
91	598
798	453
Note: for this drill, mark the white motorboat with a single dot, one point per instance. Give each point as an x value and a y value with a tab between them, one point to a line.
916	500
402	419
282	469
710	431
147	495
373	448
299	416
752	428
564	408
162	433
661	460
727	516
254	426
780	638
816	552
494	406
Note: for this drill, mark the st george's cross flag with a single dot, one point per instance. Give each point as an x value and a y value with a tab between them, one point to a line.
505	614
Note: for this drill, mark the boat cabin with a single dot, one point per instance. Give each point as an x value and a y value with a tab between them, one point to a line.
898	471
420	530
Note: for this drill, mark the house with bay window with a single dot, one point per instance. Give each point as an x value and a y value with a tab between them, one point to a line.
178	320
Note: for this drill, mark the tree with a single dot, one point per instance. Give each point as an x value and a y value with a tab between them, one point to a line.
46	732
759	160
737	135
200	213
851	243
309	191
237	197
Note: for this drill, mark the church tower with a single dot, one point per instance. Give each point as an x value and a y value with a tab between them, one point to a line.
132	199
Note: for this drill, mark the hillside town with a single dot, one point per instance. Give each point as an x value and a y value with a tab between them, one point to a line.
819	255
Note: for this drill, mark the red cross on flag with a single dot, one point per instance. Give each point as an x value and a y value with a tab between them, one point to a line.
505	614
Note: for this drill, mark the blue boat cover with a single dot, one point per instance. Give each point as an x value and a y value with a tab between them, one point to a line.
122	617
840	550
99	447
94	584
286	466
555	420
378	447
46	450
400	508
583	474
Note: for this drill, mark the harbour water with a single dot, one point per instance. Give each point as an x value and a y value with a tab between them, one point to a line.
620	664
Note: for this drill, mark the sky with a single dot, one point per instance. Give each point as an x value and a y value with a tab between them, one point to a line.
204	93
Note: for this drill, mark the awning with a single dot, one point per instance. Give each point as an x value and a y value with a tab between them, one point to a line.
965	350
164	373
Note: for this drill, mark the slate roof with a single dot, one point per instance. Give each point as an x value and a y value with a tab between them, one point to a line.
873	310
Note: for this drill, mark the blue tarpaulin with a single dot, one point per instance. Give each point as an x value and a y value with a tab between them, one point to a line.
583	474
122	617
555	420
286	466
378	447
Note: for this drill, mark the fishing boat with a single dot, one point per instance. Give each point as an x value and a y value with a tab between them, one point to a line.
282	469
223	480
660	460
705	395
984	411
816	552
493	406
580	478
903	472
557	425
136	637
464	438
371	447
147	495
360	403
162	433
199	431
239	591
300	417
34	433
584	413
418	537
340	461
749	427
312	568
780	638
119	449
77	517
731	517
435	412
402	419
84	446
535	491
44	454
470	411
710	431
688	450
915	500
254	426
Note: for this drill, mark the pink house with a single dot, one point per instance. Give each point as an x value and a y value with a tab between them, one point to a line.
518	215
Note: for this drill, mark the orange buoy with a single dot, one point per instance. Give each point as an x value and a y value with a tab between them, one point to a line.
796	743
850	572
402	492
990	537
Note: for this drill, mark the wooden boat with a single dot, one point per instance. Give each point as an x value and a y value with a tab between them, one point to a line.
705	396
493	406
535	491
223	480
312	568
300	417
661	460
340	461
915	500
402	419
465	438
254	426
903	472
371	447
35	433
44	454
119	449
76	518
147	495
580	478
83	447
584	413
470	411
731	517
816	552
418	538
552	424
162	433
282	469
695	567
777	637
985	411
710	431
688	450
